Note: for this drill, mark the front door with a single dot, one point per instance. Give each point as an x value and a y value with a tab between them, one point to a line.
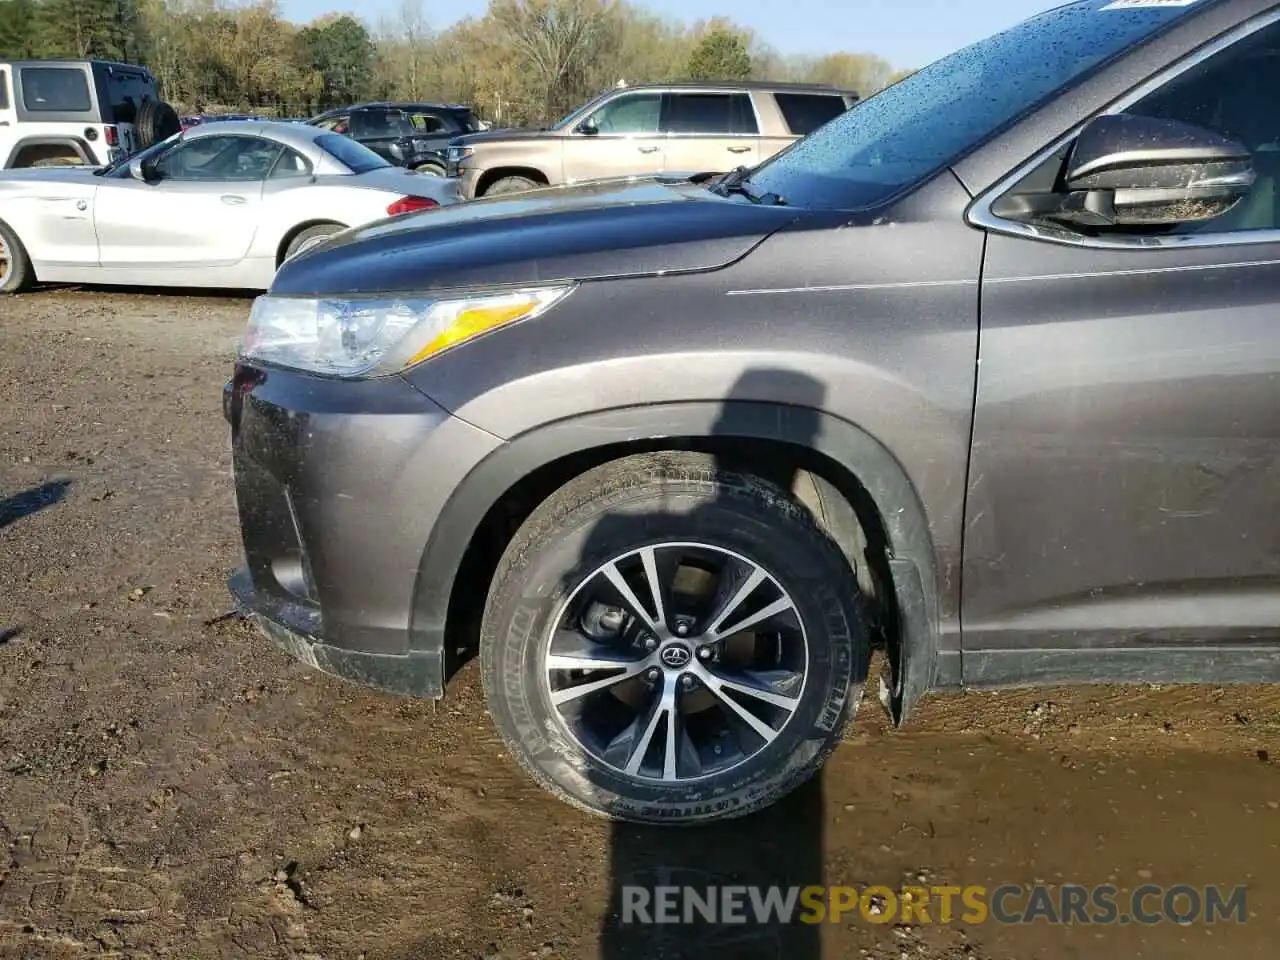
201	210
623	140
1125	476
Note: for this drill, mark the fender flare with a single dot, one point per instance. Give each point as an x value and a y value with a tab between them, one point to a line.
77	144
912	561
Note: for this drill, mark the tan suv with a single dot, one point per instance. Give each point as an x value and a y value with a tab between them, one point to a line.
645	130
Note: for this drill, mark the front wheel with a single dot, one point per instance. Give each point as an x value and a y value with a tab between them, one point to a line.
510	185
670	641
16	274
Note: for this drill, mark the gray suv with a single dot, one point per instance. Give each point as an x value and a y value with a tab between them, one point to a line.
983	371
647	130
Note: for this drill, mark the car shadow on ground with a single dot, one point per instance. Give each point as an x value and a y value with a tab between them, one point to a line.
24	504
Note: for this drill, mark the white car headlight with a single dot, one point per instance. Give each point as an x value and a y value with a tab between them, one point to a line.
357	337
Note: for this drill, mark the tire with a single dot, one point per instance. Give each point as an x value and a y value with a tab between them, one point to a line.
310	237
508	185
430	169
687	503
156	121
16	273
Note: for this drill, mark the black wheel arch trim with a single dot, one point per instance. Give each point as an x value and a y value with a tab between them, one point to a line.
912	561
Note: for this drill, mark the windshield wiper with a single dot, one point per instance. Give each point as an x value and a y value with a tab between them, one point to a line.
738	181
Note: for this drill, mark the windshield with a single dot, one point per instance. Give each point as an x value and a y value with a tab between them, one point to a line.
356	157
929	120
583	110
118	166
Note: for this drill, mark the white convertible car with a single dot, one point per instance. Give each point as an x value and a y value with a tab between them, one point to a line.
222	205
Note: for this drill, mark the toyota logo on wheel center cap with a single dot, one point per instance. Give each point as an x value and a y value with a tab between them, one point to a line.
675	656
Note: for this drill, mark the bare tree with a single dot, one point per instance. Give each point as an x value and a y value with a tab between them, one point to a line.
557	39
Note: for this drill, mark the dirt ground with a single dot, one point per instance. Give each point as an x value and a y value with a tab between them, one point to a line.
171	786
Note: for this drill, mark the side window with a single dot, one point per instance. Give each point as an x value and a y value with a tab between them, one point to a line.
426	123
339	124
806	112
219	158
630	113
711	114
291	165
4	90
55	90
1233	93
374	124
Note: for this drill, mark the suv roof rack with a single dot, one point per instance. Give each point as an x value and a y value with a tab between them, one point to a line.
781	86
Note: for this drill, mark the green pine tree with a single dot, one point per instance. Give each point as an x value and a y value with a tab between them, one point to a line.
18	29
720	55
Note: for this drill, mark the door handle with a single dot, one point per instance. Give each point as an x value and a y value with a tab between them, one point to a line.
4	123
232	199
739	149
649	149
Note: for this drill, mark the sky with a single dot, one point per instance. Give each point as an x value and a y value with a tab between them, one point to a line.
908	33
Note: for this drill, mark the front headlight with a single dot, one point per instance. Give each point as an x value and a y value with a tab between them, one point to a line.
359	337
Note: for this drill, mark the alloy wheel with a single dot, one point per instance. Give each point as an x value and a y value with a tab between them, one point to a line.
676	661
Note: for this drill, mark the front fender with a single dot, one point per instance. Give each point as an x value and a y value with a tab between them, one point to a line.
911	552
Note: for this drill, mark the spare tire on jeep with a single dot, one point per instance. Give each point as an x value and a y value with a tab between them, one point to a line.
156	121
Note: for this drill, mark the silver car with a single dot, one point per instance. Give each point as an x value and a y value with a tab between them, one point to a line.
222	205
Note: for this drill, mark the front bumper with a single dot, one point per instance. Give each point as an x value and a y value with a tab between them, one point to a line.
467	177
339	486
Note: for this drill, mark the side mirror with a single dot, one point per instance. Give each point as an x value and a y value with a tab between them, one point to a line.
1139	171
141	171
588	128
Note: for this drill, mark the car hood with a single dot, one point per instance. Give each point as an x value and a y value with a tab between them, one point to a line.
601	230
492	136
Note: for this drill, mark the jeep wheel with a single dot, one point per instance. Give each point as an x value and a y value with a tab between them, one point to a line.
669	641
16	274
511	185
430	169
156	121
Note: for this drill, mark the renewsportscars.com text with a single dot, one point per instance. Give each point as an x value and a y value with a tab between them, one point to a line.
1006	904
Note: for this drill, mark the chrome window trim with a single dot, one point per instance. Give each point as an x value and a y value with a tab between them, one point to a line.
664	92
979	213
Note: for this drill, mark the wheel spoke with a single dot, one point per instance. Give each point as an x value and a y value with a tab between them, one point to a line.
570	650
649	557
781	605
718	686
754	685
673	732
559	697
614	576
738	599
662	712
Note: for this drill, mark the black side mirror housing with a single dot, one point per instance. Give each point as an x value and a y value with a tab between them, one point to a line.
1133	171
587	128
141	171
